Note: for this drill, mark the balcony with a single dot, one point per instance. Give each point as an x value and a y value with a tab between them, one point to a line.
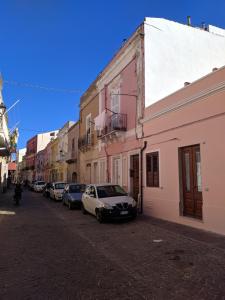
114	123
71	157
85	142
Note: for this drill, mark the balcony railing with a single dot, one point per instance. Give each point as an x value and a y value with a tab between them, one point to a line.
85	141
71	157
115	122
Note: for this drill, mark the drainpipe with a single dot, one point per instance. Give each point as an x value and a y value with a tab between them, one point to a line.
141	158
107	155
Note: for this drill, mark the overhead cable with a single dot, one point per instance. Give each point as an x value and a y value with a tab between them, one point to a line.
36	86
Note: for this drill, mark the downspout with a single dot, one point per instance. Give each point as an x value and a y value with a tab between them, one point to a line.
141	158
107	155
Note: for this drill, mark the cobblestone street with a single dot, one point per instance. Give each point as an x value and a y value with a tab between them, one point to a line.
50	252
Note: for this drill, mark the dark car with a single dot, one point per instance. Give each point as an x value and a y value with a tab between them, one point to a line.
46	189
72	195
31	185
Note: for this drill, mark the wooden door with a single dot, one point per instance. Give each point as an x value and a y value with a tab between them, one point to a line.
192	185
135	176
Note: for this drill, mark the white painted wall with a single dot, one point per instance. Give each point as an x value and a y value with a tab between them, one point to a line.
19	155
176	53
4	130
44	138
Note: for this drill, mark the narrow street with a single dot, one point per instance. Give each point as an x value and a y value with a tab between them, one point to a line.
50	252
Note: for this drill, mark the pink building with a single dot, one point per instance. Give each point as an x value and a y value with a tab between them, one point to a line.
142	72
184	159
40	164
120	108
153	146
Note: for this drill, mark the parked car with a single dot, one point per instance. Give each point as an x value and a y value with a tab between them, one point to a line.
56	190
31	185
39	186
72	195
108	201
46	189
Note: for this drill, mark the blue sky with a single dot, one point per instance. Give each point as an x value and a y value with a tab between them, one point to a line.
65	44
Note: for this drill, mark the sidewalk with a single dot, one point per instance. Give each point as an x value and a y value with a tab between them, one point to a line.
209	238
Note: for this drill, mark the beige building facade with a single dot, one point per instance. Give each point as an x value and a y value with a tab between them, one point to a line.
88	142
73	172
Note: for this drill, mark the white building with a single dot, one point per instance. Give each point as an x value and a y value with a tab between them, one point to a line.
176	53
63	150
4	143
20	155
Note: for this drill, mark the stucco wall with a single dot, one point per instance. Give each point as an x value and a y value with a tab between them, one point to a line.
176	53
198	122
89	105
44	138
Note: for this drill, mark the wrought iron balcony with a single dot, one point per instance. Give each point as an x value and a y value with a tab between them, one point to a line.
114	122
85	141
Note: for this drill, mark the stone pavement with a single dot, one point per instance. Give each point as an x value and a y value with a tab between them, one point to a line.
50	252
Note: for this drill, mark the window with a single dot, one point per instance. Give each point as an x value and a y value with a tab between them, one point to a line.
107	191
102	178
73	144
115	102
88	128
152	169
124	172
116	171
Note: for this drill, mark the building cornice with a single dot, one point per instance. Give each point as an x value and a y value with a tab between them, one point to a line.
187	101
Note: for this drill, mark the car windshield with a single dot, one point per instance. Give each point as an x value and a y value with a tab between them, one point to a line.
77	188
59	186
106	191
40	183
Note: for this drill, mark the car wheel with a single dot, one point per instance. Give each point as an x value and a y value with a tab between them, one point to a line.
99	216
83	209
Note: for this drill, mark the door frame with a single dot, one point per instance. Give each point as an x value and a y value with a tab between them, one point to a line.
181	181
131	153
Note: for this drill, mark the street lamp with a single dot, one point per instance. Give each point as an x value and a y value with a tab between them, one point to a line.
2	108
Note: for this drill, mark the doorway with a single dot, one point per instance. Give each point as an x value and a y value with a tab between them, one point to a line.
74	177
191	181
134	176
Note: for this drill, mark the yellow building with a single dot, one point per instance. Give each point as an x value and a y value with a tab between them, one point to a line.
88	143
54	166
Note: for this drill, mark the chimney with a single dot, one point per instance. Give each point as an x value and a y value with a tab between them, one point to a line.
214	69
189	20
186	83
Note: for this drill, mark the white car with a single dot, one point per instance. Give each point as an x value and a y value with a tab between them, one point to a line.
39	186
108	201
56	190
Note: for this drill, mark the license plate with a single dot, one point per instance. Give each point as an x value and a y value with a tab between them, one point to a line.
124	212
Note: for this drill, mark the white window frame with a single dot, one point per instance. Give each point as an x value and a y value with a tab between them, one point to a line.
103	160
93	175
120	168
88	123
115	93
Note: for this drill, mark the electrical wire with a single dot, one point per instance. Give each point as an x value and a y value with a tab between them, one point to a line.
36	86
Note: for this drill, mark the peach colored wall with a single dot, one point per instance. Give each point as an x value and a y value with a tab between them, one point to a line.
200	122
128	85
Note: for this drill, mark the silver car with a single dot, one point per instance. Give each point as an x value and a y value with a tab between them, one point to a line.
56	190
72	195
